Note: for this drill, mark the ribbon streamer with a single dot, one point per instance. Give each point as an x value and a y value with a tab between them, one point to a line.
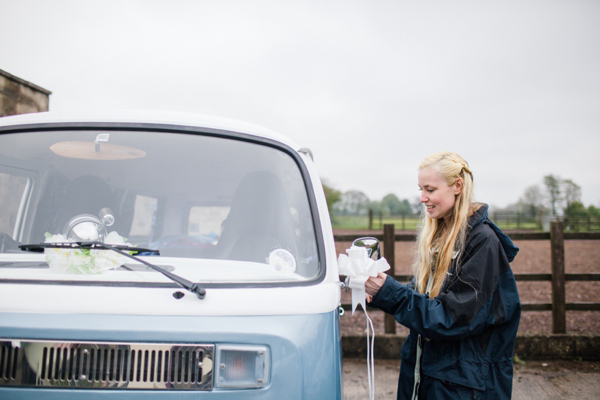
358	267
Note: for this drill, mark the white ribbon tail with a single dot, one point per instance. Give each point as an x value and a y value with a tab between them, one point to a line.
358	267
359	295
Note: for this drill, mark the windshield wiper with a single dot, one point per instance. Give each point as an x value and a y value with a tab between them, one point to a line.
121	249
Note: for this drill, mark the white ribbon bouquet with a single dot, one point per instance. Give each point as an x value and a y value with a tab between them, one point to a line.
358	267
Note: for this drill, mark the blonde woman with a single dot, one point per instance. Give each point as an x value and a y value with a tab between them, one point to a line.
462	307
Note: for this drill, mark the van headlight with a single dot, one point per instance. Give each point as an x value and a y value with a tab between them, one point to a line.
242	367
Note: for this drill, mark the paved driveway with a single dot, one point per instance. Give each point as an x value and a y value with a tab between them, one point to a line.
546	380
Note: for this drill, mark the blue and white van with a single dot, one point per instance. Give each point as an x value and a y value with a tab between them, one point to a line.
153	255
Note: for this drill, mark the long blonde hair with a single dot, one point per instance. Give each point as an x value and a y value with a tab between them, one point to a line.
440	241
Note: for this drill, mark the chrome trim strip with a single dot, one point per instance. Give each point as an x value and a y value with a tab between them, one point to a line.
110	365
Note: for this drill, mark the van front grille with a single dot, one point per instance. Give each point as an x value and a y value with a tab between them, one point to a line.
106	365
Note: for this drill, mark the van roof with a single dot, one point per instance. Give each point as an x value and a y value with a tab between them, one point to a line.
144	117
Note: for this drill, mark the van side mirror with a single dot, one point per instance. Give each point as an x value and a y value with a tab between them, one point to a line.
371	244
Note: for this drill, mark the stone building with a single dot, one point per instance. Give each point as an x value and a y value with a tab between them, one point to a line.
17	96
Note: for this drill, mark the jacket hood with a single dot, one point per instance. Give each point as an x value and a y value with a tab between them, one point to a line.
481	217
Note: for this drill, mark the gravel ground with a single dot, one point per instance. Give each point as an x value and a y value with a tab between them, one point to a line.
548	380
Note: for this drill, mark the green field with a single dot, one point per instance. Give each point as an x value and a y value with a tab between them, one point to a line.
410	223
362	222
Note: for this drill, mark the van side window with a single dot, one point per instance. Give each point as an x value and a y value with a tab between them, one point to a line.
12	190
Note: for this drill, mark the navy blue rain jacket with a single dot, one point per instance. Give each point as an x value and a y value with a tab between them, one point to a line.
470	328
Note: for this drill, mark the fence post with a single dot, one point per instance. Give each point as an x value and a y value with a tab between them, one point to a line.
557	245
389	244
370	219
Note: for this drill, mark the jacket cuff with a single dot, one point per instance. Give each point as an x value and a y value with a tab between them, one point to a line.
389	294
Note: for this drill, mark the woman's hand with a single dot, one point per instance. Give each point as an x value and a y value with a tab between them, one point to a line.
373	284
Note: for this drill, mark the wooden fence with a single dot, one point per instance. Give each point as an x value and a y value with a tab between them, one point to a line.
557	277
582	224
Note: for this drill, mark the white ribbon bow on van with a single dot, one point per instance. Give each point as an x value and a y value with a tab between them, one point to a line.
358	267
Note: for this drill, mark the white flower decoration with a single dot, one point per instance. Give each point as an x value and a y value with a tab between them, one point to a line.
84	261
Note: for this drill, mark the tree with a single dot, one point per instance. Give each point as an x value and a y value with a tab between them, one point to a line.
405	207
416	206
352	202
390	204
576	210
553	191
572	192
376	206
332	196
574	213
593	211
532	201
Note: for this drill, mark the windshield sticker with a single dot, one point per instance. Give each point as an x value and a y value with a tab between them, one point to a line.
282	260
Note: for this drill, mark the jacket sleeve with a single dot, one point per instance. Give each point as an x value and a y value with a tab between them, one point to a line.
469	302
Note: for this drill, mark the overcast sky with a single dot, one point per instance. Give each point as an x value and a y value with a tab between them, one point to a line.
371	86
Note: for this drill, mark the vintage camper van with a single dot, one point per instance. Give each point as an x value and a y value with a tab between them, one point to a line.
153	255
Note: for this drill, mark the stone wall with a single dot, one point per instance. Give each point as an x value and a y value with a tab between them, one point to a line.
17	96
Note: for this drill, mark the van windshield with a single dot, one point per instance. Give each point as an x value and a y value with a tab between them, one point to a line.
217	209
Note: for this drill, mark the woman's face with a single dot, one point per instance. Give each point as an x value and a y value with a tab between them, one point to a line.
437	196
